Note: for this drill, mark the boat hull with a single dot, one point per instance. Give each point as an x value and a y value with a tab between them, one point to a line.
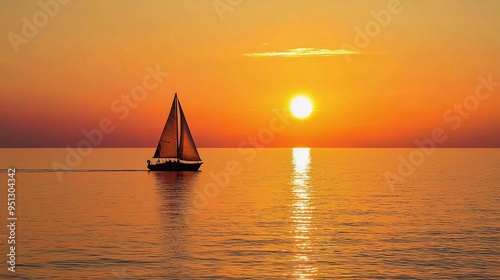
174	166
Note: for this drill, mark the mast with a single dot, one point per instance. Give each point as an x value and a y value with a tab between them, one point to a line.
176	100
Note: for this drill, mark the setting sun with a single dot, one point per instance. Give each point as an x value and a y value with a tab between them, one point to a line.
301	107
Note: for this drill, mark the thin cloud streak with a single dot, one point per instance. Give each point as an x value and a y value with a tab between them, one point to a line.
303	52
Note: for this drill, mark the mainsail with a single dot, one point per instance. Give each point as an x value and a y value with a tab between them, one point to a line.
187	148
170	146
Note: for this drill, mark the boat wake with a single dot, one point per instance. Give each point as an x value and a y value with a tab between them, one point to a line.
18	170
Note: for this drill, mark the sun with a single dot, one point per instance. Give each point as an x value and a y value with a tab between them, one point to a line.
301	107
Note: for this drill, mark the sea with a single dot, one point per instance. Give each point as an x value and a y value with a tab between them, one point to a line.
289	213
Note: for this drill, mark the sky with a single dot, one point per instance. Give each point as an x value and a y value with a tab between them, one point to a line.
379	73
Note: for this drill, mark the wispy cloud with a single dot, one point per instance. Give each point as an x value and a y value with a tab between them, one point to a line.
303	52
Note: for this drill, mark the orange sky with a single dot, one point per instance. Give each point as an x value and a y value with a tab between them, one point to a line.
228	66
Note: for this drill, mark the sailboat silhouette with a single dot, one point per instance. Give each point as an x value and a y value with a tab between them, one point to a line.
176	150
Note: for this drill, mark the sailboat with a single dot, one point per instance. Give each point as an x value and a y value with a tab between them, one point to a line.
176	150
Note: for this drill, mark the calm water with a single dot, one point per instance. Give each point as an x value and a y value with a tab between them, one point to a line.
283	214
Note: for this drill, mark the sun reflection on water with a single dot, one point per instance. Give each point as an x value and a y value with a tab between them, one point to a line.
301	217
